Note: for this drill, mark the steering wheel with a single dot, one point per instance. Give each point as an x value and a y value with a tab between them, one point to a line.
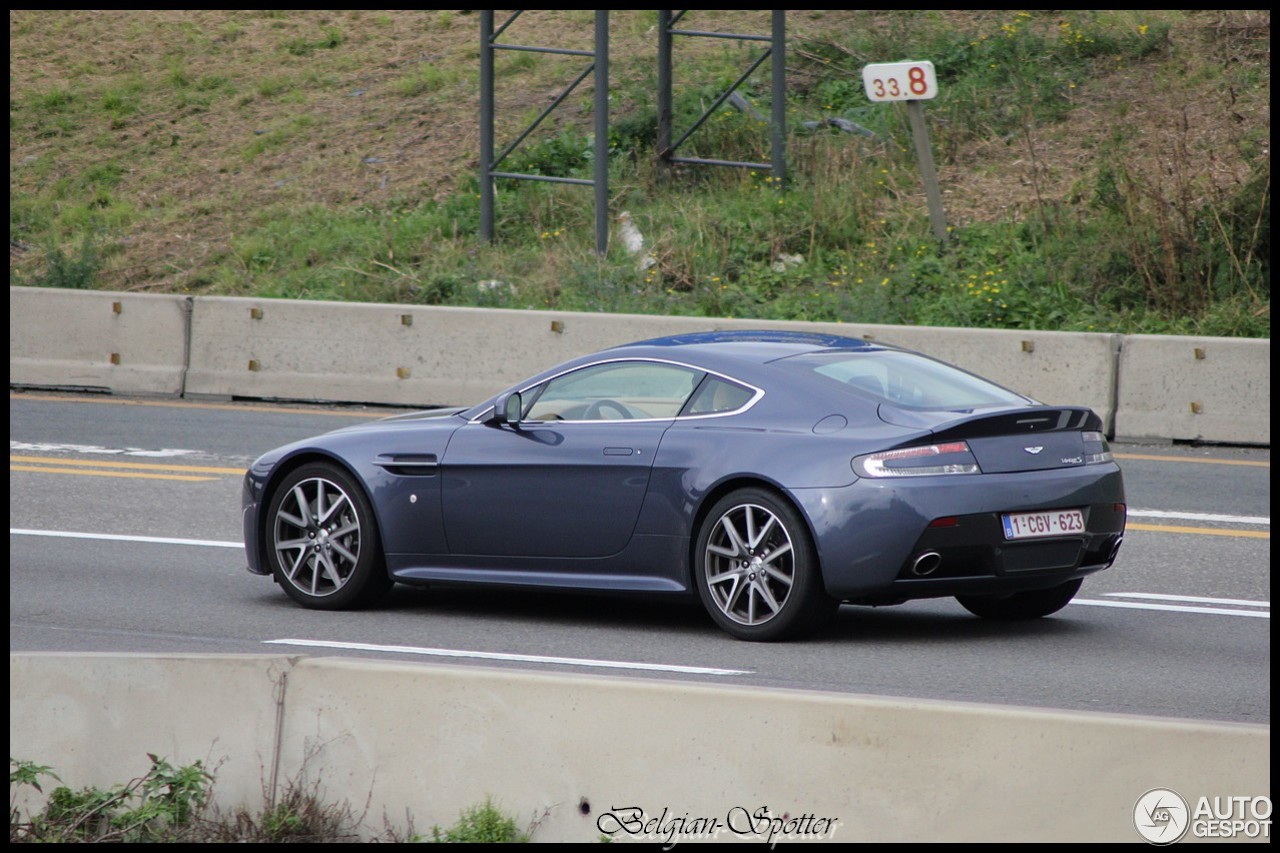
593	412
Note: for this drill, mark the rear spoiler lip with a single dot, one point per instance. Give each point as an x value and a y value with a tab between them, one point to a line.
988	422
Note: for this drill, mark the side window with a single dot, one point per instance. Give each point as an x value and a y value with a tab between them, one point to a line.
718	395
624	390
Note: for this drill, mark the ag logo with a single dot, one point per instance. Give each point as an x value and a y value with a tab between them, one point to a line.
1161	816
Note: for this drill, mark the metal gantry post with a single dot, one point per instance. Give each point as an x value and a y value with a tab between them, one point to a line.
599	67
489	161
486	125
602	131
663	142
778	122
668	22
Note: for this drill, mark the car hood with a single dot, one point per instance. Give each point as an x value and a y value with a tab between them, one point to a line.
430	430
425	414
392	421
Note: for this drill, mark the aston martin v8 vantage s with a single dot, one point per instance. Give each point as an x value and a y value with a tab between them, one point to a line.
773	475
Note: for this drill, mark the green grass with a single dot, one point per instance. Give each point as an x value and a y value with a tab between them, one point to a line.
174	805
425	79
1104	171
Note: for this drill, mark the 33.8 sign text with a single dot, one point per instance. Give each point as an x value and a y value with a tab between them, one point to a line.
900	81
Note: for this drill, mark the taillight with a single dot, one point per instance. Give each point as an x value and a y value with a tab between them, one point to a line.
954	457
1096	448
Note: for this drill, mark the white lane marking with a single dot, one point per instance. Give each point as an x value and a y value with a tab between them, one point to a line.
206	543
93	448
1176	608
1200	516
112	537
1155	596
455	653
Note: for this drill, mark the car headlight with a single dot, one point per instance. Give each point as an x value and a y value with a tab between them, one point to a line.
953	457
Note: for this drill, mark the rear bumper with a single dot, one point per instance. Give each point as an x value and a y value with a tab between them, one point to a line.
876	545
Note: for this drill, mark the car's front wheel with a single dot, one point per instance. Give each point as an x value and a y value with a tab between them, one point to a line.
1021	605
756	568
322	540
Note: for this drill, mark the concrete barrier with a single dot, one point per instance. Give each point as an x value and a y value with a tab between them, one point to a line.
1144	387
94	718
585	756
1211	389
403	355
120	342
455	356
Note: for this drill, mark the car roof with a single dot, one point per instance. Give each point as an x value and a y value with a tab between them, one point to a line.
737	353
757	346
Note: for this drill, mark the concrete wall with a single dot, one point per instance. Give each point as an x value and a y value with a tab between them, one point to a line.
429	741
119	342
1195	388
1146	387
94	718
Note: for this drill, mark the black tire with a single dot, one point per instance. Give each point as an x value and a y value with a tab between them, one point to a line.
1021	605
322	542
756	568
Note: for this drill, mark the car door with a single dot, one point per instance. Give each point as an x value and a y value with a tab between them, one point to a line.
568	480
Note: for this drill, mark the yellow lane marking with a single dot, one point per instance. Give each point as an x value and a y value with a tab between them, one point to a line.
1208	531
137	466
40	469
1151	458
226	407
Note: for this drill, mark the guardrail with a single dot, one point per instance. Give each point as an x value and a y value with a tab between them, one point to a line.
1144	387
587	756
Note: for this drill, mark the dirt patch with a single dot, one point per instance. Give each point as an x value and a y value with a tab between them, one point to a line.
212	115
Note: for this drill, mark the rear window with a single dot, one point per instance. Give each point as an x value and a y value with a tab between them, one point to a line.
717	396
904	379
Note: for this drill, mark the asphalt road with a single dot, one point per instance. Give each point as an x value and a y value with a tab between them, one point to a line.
124	537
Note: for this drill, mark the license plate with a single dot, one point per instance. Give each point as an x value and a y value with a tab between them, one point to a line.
1032	525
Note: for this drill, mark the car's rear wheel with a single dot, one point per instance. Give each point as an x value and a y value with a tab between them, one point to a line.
1022	605
322	540
756	568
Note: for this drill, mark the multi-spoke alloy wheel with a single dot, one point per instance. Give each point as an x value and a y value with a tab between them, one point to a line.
323	544
756	571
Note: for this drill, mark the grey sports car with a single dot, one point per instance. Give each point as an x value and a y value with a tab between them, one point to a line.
773	475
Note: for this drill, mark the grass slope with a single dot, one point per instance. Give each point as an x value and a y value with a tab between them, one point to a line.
1099	170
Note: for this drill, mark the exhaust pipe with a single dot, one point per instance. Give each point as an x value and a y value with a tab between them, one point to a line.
1115	550
926	564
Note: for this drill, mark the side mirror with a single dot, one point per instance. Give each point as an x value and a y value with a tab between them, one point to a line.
507	409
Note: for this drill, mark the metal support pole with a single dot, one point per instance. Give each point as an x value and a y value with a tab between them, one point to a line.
602	131
668	28
668	21
924	154
664	94
486	125
778	131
